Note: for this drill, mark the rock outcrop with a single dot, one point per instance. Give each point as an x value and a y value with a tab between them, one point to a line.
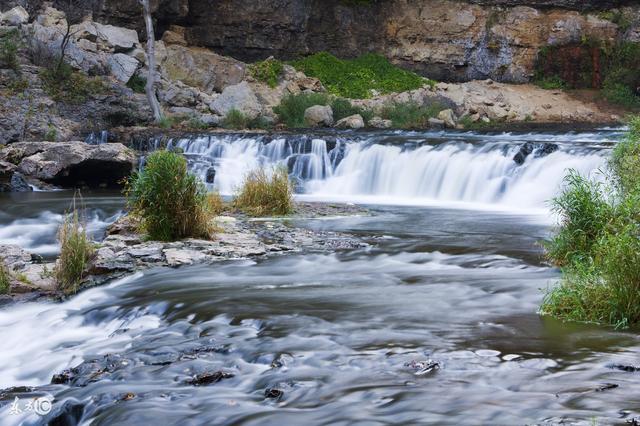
71	163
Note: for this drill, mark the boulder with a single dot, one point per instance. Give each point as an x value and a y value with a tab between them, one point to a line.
380	123
201	68
175	35
51	17
122	66
115	39
14	17
318	115
448	117
239	97
352	122
211	175
72	164
435	123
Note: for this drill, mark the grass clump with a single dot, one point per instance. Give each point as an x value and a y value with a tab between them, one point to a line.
76	251
5	281
551	83
292	107
266	193
169	202
9	45
237	120
66	85
137	83
357	78
410	115
597	244
267	71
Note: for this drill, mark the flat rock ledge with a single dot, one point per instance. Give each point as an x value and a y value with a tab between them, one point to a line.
124	251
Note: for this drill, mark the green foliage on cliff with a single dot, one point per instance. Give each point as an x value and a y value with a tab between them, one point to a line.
597	244
357	78
170	203
267	71
137	83
9	43
69	86
4	278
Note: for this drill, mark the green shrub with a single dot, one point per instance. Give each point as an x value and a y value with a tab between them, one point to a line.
51	135
292	107
357	78
342	108
137	83
5	279
76	251
267	71
410	115
597	243
66	85
551	83
170	203
9	44
237	120
265	193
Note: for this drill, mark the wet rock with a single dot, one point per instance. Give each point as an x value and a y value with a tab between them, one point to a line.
623	367
435	123
72	163
10	393
423	367
69	414
318	115
205	379
19	184
547	148
523	153
273	393
540	150
211	175
606	387
352	122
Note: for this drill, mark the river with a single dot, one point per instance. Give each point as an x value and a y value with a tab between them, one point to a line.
454	275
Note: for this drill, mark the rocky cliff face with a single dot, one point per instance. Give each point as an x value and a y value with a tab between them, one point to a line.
448	40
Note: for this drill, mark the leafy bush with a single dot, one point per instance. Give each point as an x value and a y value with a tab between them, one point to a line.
9	44
65	85
51	135
264	193
170	203
137	83
238	120
597	243
5	282
292	107
76	251
342	108
357	78
410	115
267	71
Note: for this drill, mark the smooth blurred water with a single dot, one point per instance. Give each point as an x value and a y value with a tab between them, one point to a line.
337	332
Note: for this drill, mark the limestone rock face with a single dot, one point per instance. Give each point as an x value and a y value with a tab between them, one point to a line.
319	115
239	97
71	163
447	40
201	68
123	67
14	17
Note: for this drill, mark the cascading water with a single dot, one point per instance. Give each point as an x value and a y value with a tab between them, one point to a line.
405	166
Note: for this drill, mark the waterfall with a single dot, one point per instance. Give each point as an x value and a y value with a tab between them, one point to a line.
405	166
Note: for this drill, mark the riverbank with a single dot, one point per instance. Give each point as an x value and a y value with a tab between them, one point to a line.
124	250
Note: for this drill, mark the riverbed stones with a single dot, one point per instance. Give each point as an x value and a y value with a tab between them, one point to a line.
352	122
318	115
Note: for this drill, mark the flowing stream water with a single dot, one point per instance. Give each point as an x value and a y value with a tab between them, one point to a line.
454	274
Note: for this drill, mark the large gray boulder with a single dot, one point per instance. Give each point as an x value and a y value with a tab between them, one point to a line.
318	115
14	17
116	39
123	67
239	97
352	122
71	164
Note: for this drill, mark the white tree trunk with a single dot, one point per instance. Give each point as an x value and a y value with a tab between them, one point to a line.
151	63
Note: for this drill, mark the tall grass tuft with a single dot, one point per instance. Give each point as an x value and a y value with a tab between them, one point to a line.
170	202
5	282
76	251
597	243
266	193
410	115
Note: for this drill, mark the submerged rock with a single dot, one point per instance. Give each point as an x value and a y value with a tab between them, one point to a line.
273	393
540	150
423	367
209	378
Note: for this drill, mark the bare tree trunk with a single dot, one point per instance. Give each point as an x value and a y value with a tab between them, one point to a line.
151	63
